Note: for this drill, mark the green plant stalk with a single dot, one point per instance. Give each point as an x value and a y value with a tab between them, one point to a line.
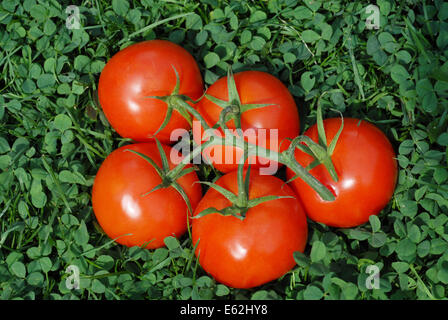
284	158
425	288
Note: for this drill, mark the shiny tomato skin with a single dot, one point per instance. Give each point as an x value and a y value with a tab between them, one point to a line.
258	249
365	163
254	87
121	209
146	69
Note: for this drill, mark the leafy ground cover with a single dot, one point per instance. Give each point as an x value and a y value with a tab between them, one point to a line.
53	137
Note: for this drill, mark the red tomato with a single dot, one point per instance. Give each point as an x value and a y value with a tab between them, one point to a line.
367	172
141	70
254	87
250	252
120	208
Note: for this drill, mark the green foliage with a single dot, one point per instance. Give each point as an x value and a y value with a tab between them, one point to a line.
54	136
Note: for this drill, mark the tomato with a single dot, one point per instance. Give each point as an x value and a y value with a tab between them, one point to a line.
121	209
367	172
254	87
141	70
250	252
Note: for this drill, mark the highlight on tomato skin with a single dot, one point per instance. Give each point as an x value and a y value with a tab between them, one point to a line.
254	251
141	70
367	171
126	213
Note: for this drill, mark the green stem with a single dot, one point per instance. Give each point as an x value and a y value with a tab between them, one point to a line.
286	158
425	288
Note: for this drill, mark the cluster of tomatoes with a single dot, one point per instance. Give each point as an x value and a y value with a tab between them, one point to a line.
247	226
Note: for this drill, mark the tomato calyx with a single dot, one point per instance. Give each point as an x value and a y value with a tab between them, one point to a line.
169	179
319	151
174	101
233	108
240	202
227	138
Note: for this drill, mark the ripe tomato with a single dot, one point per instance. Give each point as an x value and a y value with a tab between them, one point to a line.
250	252
141	70
367	172
121	209
254	87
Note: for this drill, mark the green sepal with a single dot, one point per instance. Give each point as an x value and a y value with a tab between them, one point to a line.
255	202
226	193
148	159
184	195
228	211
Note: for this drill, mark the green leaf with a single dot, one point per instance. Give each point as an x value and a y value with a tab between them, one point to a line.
350	291
310	36
399	74
414	233
408	208
387	42
423	248
222	290
211	59
257	16
193	22
378	239
246	36
81	235
359	234
81	62
201	37
45	264
373	45
39	12
427	95
301	259
318	251
257	43
289	57
4	145
302	13
120	7
28	86
62	122
38	198
375	223
98	286
400	266
406	250
442	13
260	295
49	27
443	139
45	80
313	4
171	243
307	81
35	279
438	246
18	269
442	274
406	147
72	177
404	56
312	293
